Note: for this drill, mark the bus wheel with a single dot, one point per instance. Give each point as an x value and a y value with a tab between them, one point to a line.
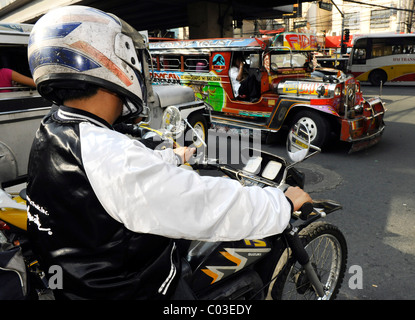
199	124
318	126
378	76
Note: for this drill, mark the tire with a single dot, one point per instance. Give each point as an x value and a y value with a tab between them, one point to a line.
318	125
378	76
327	249
199	123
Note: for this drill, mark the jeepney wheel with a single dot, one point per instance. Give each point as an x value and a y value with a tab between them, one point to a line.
318	126
199	123
378	76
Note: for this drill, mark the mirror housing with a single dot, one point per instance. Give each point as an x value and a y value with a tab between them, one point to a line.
298	143
172	122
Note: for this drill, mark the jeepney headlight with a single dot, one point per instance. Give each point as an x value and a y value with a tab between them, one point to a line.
337	91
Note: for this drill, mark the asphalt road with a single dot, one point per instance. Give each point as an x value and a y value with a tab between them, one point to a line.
377	190
378	193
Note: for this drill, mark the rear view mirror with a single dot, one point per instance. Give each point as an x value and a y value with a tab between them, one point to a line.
172	121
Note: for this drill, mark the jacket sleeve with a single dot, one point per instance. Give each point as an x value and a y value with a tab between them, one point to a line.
139	189
168	156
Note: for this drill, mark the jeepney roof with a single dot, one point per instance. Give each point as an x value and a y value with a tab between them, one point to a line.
207	44
284	41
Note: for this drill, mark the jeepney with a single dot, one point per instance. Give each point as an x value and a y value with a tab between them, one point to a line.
327	101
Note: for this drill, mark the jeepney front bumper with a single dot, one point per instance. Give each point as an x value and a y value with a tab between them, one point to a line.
364	130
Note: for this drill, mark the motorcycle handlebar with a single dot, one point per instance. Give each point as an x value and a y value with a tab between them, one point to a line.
212	164
305	210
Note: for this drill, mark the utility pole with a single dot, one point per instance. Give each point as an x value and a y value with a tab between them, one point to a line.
342	33
411	17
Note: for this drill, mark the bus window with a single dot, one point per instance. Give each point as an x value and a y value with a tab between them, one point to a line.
360	52
196	63
408	45
383	47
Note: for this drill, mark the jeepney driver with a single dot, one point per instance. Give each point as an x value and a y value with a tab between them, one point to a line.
244	87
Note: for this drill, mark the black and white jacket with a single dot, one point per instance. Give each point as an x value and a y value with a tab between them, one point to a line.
106	208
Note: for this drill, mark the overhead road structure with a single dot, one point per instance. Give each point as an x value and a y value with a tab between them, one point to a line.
206	18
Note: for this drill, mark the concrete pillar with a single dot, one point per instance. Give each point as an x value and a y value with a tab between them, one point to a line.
209	20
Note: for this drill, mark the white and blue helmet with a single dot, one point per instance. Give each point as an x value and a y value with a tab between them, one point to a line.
73	45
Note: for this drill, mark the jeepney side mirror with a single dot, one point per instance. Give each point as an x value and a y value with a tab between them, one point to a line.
255	61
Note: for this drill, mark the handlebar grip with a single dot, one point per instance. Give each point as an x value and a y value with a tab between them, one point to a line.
305	210
208	165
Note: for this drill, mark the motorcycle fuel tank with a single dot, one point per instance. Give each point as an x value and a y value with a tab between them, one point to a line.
213	262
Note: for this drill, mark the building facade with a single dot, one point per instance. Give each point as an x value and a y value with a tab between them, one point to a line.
331	17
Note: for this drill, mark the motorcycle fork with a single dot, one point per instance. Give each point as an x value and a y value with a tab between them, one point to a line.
301	255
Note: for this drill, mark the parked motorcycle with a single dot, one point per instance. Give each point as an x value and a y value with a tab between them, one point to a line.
21	276
307	261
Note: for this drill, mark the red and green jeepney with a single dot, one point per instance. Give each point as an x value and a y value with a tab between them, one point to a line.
327	101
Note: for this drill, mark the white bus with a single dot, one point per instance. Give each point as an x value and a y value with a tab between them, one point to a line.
379	58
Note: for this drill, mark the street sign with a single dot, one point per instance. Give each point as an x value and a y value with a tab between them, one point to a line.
325	6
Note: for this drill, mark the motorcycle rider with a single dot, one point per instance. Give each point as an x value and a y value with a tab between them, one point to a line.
102	206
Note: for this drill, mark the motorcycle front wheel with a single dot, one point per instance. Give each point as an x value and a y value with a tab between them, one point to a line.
327	249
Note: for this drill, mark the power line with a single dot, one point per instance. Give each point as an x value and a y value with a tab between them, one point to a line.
378	5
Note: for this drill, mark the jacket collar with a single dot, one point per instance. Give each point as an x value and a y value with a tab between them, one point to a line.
66	113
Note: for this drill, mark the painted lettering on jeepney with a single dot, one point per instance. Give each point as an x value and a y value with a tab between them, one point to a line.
207	87
309	88
168	77
191	77
301	41
203	43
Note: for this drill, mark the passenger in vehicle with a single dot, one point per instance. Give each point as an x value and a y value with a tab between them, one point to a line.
244	87
7	76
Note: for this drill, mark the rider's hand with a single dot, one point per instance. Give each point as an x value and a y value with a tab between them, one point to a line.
185	153
297	196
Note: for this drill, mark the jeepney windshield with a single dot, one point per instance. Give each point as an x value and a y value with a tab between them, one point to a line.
288	60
